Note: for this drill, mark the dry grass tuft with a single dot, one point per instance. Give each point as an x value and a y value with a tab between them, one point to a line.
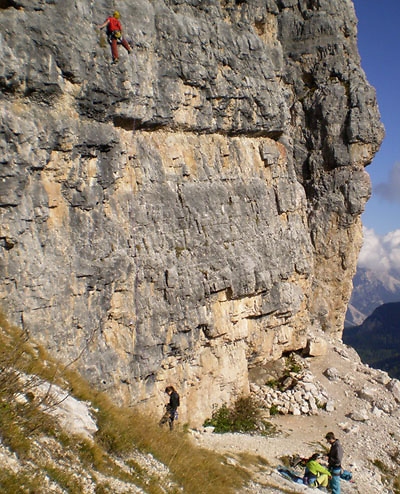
18	483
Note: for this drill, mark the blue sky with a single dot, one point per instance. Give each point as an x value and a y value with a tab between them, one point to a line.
379	47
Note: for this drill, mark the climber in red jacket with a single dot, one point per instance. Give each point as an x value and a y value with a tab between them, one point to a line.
114	34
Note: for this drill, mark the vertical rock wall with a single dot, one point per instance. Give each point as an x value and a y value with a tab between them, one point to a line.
193	211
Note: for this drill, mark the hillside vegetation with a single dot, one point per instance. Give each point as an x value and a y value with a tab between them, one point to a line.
120	451
129	452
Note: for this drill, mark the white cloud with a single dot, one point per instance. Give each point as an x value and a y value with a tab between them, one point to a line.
392	241
390	190
380	253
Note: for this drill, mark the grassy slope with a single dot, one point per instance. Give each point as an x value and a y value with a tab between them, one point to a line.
48	454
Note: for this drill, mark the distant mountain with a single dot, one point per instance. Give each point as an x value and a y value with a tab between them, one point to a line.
377	339
370	290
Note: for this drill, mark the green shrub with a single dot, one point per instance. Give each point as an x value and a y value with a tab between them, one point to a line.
292	366
272	383
274	410
243	416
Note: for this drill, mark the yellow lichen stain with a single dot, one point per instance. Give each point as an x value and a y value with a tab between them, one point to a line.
169	334
91	168
53	176
191	103
119	337
58	209
187	156
267	28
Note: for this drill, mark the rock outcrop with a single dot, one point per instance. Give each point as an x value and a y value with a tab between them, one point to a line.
193	211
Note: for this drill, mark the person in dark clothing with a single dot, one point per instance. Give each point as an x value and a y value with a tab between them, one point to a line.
335	457
114	34
170	408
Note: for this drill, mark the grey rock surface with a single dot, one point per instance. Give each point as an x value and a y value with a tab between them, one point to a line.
193	211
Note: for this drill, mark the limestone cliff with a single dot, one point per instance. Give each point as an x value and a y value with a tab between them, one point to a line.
193	211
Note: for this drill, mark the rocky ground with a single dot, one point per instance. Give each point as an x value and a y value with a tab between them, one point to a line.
365	417
360	405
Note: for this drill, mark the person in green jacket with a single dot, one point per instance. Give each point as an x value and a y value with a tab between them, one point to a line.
316	475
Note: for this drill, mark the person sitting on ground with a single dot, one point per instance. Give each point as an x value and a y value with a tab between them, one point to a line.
114	34
170	408
315	474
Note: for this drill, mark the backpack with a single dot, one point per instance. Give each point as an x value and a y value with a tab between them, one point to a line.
346	475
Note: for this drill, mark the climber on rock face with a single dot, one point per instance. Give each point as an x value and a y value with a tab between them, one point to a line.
114	34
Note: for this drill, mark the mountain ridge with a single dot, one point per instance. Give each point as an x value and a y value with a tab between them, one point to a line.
377	339
371	288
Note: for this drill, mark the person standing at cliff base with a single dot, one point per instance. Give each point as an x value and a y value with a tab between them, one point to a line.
114	34
171	407
335	457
